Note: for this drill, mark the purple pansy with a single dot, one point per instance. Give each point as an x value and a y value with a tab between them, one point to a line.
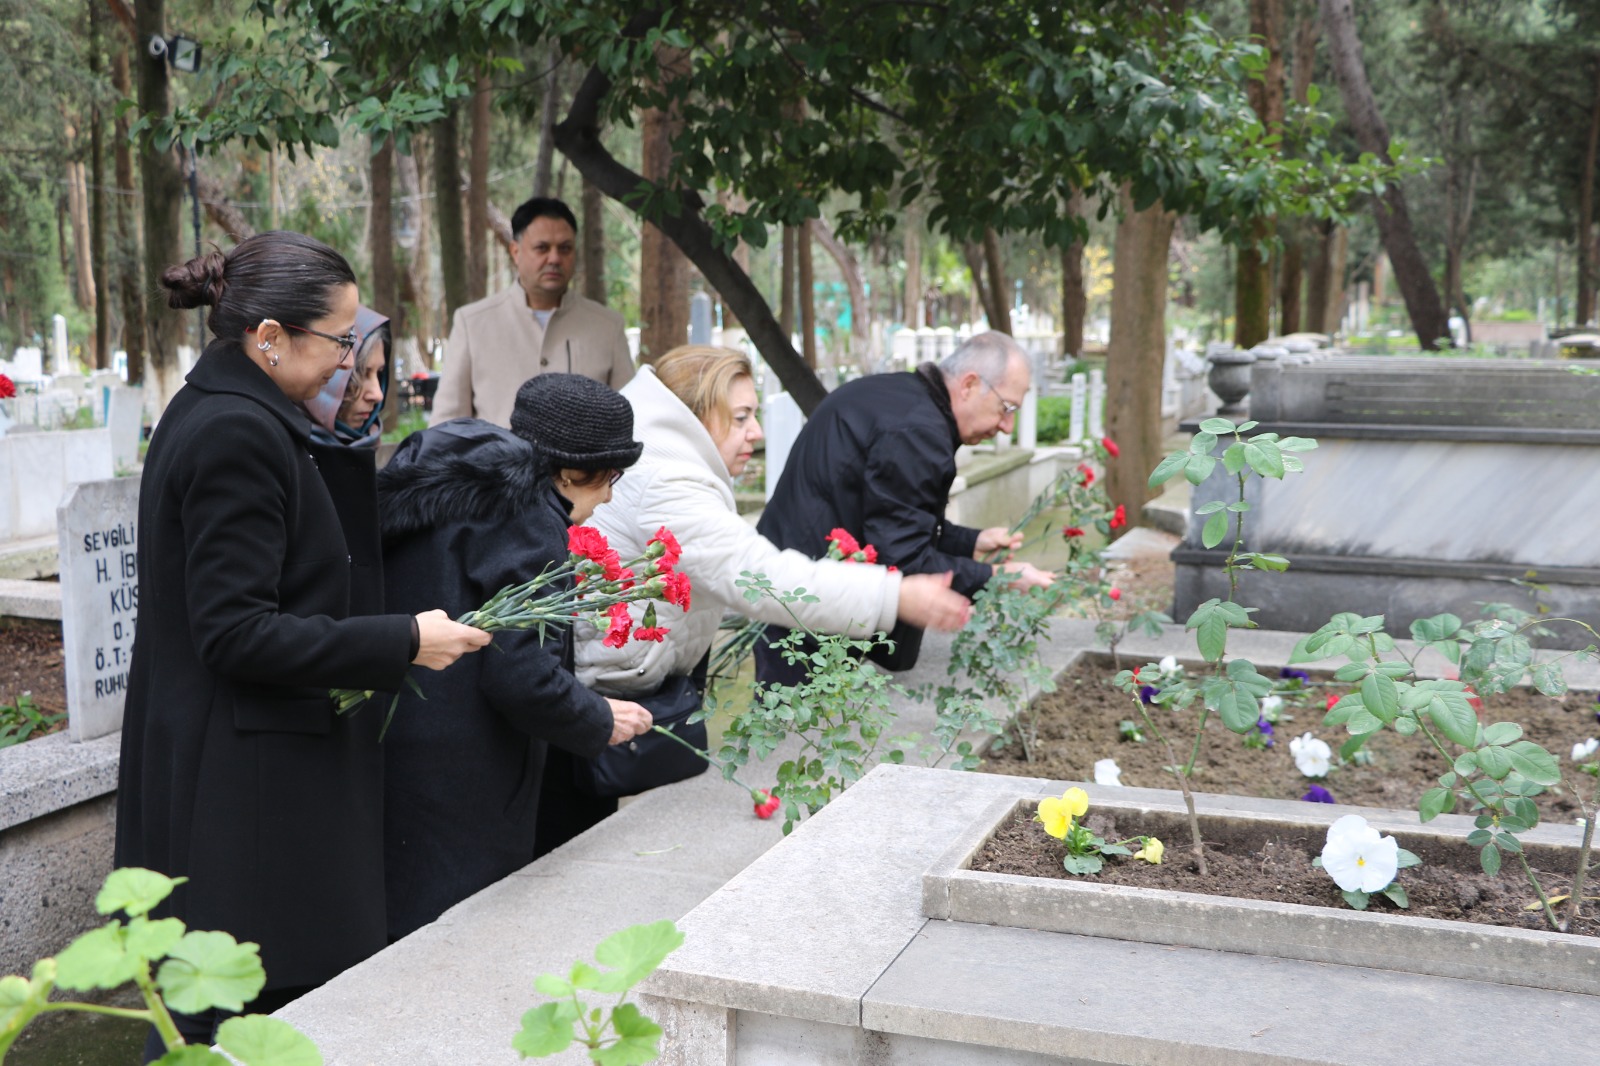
1264	727
1287	673
1318	794
1147	694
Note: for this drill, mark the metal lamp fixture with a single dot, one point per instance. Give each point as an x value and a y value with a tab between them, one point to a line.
182	53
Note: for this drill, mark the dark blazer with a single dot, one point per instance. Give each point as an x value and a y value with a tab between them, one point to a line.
257	593
877	459
468	509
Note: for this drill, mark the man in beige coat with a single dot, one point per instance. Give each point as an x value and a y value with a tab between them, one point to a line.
533	327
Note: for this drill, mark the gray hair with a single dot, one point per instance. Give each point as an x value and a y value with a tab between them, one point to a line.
986	354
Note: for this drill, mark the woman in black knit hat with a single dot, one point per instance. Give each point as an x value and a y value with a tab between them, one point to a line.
469	508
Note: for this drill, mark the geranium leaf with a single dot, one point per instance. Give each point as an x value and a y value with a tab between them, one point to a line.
257	1040
210	969
638	1039
135	890
546	1029
636	951
97	959
192	1055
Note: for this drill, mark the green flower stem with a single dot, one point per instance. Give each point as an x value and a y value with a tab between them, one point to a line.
159	1017
1544	900
708	757
132	1013
1576	906
1196	846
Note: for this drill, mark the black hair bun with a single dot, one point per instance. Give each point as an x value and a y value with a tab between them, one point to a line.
197	283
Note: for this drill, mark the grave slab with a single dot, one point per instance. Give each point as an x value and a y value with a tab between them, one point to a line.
97	524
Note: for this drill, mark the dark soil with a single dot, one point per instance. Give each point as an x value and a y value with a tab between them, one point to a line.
1078	724
31	661
1277	866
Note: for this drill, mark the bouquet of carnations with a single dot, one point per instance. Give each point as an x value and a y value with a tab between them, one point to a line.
593	581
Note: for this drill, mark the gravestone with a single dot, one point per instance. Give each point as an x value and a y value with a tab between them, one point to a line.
124	417
1097	403
1080	403
96	525
782	419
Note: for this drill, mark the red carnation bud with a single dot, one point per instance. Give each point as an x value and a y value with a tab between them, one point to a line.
1110	446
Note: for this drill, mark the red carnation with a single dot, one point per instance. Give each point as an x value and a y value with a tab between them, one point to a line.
843	541
1110	446
671	551
1088	474
766	804
677	590
1333	697
621	623
588	542
611	563
8	388
869	553
655	633
1115	594
1071	531
1119	517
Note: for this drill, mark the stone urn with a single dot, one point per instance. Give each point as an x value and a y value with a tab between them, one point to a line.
1229	376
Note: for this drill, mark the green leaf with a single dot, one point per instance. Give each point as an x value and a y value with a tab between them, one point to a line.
1233	459
1356	899
257	1040
1439	627
635	952
553	985
1534	763
546	1029
1489	859
1495	761
1167	468
97	959
1478	838
638	1039
192	1055
1434	802
152	939
1397	895
1216	528
1406	859
17	1006
135	890
1264	459
1211	508
1466	763
1451	712
1548	679
1082	864
1501	733
1219	426
210	969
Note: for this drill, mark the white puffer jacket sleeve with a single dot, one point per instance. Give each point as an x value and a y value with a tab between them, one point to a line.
676	485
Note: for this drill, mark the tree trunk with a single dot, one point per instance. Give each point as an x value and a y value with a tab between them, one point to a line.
914	316
1252	292
972	253
415	288
860	312
1291	279
385	296
82	240
162	183
447	206
478	194
130	257
593	257
220	209
1074	295
786	308
97	199
549	108
663	271
1137	351
999	296
1588	274
806	277
1411	272
578	137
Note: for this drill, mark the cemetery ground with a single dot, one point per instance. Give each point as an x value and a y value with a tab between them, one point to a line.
31	662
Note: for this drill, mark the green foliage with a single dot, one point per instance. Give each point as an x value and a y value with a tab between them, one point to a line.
618	1036
23	720
1055	419
198	971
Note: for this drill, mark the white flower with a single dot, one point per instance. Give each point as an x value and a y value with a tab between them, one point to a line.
1168	664
1107	772
1313	757
1585	749
1270	706
1357	857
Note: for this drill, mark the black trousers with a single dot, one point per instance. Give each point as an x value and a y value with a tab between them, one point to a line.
565	812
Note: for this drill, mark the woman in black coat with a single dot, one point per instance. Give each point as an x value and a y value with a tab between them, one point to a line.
236	773
468	509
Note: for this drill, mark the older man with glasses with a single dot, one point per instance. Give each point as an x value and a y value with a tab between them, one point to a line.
877	459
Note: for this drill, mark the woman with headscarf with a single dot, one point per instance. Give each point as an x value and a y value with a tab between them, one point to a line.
469	508
349	408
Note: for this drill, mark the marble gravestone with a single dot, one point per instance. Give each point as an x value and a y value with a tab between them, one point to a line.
96	528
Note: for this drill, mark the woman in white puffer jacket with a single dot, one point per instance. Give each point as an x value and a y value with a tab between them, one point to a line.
695	411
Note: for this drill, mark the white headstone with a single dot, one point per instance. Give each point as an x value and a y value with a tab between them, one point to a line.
1080	403
58	346
1097	403
124	413
1028	419
95	526
30	364
782	419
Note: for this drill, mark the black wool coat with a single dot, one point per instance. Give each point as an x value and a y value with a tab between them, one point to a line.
877	459
468	509
258	591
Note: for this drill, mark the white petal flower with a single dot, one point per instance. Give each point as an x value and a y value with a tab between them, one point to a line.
1107	772
1168	664
1585	749
1312	757
1358	857
1270	706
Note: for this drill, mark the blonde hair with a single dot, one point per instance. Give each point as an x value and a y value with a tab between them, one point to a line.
702	377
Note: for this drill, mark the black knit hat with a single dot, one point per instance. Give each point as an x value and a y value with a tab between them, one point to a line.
576	422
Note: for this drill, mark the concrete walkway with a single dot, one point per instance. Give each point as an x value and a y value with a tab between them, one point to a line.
453	992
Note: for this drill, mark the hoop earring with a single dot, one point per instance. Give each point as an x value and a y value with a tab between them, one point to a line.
272	359
264	347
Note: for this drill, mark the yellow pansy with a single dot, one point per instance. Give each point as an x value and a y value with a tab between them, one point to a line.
1151	852
1057	813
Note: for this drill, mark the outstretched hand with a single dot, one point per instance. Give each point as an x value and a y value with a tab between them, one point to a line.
994	539
1026	575
928	602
